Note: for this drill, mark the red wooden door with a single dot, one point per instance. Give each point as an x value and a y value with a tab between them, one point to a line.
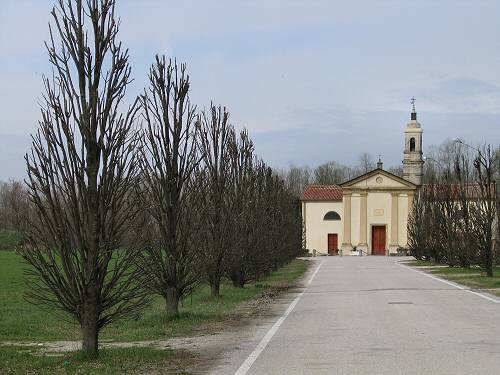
378	240
333	244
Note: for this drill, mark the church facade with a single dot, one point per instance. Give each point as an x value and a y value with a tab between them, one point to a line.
368	213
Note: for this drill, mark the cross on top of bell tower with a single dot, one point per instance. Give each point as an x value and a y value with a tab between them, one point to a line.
413	110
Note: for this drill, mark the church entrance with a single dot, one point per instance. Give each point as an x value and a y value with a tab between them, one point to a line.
378	240
333	244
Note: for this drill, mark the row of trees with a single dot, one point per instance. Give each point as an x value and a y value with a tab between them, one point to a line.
122	211
455	214
215	208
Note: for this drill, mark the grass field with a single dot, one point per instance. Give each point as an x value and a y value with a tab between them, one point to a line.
9	239
199	313
472	277
21	360
420	263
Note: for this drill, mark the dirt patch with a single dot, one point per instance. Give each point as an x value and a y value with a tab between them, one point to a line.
245	313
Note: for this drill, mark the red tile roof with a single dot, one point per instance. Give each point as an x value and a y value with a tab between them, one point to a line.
322	193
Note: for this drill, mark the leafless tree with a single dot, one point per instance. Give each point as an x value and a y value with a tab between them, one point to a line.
398	171
455	218
464	202
418	226
366	163
485	209
282	222
14	206
240	262
296	179
214	135
265	216
169	159
330	173
81	172
443	207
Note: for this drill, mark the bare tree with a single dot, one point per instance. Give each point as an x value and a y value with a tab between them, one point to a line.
418	220
240	264
265	216
485	209
169	159
281	227
464	202
366	163
330	173
213	139
443	207
81	173
14	206
455	218
296	179
398	171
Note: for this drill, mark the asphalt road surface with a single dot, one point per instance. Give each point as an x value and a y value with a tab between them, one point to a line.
370	315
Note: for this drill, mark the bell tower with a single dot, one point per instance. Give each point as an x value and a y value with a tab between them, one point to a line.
413	162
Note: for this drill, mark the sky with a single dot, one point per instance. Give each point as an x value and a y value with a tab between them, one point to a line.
312	81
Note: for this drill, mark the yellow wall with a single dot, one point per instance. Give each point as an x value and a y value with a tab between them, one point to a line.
317	229
403	220
355	218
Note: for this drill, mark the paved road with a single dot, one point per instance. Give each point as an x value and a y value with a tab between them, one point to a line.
370	315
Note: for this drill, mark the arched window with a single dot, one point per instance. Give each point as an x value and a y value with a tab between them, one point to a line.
412	144
332	215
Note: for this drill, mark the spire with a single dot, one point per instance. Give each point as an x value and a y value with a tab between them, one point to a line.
380	164
413	111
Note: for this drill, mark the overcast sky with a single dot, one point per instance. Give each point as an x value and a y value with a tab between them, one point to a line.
313	81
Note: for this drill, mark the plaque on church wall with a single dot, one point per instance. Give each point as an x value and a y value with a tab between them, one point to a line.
379	212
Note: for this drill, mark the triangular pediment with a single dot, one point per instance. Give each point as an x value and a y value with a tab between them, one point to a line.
378	179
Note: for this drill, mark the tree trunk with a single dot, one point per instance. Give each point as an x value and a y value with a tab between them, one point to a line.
215	288
237	279
235	282
90	326
489	263
172	301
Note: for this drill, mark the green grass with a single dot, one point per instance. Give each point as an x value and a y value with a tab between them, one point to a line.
9	239
200	310
456	271
471	277
420	263
22	321
199	313
22	360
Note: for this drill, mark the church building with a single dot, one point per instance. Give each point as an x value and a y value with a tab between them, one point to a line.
368	213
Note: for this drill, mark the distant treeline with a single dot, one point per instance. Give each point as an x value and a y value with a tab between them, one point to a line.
297	178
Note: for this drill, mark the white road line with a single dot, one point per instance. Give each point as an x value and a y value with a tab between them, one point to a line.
483	296
491	299
314	274
269	335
